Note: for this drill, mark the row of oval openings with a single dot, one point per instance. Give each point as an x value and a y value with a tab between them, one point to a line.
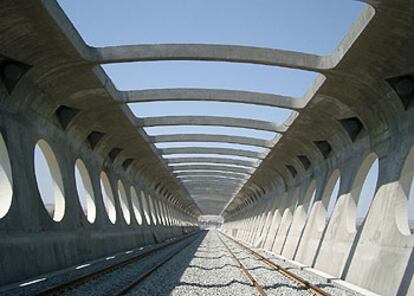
365	186
364	189
50	184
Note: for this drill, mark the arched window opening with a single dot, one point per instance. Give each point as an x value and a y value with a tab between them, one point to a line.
165	208
173	217
123	200
162	213
6	180
169	215
152	210
108	197
157	211
405	210
333	198
145	208
368	174
310	196
330	193
49	180
410	208
136	206
85	190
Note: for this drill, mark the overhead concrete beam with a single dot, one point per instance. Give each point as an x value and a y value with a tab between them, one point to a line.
213	160
212	138
211	185
242	170
211	120
211	189
215	95
209	52
216	180
209	150
212	173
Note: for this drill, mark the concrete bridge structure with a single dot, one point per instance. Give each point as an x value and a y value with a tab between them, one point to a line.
55	97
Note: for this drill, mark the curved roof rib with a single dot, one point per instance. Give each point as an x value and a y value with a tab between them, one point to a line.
211	120
209	52
239	176
212	138
207	177
218	95
215	181
212	160
208	150
214	168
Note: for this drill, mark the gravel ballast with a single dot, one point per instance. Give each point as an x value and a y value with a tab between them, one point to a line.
200	265
205	268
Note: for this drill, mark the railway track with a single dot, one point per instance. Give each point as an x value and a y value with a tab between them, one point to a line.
75	283
246	272
283	271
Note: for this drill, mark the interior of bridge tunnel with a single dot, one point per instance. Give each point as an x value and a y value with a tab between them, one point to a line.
206	147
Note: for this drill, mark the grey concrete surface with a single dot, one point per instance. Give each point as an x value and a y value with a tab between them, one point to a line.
270	209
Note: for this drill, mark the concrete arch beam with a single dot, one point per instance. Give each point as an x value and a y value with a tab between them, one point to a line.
218	184
208	190
204	178
224	168
212	160
212	138
209	52
209	180
208	150
212	173
215	95
211	120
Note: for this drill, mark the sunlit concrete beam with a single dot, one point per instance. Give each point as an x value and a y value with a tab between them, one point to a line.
212	138
209	150
215	95
212	173
209	52
212	160
247	171
216	180
211	121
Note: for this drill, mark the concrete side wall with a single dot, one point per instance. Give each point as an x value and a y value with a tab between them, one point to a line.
28	231
376	255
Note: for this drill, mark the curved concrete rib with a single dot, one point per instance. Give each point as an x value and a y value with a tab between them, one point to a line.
212	160
212	173
221	195
212	184
212	138
206	177
208	150
209	52
216	95
211	120
213	168
224	193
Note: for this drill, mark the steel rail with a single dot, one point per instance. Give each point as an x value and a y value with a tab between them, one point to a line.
297	279
57	289
244	270
154	268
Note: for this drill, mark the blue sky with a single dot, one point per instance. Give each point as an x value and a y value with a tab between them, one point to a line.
309	26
